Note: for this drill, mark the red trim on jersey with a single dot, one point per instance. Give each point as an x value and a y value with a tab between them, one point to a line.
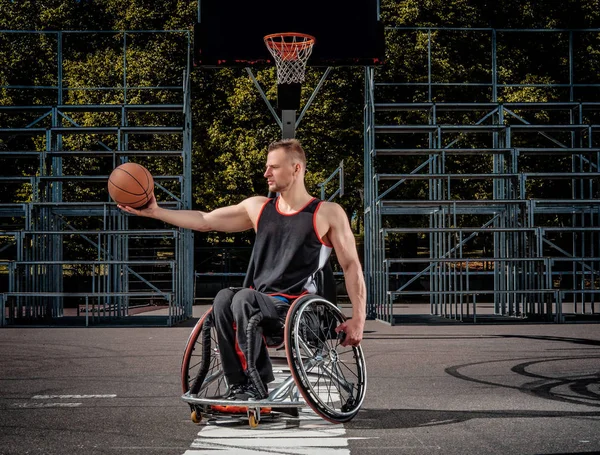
260	213
315	225
291	214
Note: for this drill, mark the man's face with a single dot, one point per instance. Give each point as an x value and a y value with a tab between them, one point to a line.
281	171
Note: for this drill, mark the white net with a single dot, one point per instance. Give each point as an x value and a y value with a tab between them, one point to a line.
291	52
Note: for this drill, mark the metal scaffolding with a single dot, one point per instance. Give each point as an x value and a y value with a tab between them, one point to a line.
477	196
67	252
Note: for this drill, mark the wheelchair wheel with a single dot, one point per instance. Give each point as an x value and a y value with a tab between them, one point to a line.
201	372
331	378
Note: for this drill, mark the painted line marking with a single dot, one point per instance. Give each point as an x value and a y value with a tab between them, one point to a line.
45	405
39	405
308	435
284	451
70	397
271	443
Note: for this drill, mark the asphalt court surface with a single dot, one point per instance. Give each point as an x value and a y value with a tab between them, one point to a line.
454	388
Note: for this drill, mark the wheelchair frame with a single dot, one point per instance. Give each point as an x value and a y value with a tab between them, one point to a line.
329	378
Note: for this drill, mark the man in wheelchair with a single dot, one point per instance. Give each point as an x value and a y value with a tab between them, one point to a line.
295	234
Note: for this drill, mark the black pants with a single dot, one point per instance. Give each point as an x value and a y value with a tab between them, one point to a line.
232	310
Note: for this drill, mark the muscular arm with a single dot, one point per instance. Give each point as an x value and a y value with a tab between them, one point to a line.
342	239
234	218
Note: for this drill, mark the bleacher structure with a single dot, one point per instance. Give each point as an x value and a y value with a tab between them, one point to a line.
67	253
481	197
524	242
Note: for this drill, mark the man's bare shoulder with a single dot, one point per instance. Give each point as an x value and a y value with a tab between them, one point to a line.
254	201
332	211
331	208
253	206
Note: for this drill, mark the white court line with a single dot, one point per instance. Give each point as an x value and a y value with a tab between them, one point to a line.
307	434
45	405
34	405
284	451
311	436
70	397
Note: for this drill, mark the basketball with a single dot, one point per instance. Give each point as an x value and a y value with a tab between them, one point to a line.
131	184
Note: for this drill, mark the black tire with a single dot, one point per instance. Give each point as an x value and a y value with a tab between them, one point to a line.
331	378
201	372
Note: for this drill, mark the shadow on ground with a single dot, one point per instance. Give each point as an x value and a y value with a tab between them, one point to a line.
381	419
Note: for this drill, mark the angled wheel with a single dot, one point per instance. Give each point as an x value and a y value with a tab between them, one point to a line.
253	418
331	378
201	372
196	417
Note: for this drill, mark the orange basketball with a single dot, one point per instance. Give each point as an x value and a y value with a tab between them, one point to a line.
131	184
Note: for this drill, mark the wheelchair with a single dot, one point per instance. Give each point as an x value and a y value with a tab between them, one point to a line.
317	370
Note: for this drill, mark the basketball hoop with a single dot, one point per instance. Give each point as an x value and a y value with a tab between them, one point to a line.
291	52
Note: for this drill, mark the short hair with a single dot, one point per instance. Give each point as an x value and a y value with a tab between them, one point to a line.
292	147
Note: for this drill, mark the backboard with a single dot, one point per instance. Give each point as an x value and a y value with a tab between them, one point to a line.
230	32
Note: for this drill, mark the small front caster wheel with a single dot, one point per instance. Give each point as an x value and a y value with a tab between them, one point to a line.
253	420
196	417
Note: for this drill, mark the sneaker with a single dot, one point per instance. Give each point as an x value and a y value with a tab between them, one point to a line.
249	393
234	390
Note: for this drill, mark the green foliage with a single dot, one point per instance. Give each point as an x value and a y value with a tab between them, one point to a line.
232	126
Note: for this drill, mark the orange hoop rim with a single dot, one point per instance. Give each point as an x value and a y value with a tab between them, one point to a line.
282	45
291	51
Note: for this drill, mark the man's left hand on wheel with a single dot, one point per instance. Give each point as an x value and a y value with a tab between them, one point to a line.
353	330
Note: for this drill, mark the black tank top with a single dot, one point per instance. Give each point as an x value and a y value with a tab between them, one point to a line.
288	252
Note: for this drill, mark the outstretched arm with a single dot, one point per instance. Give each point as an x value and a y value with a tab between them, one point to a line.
342	239
234	218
